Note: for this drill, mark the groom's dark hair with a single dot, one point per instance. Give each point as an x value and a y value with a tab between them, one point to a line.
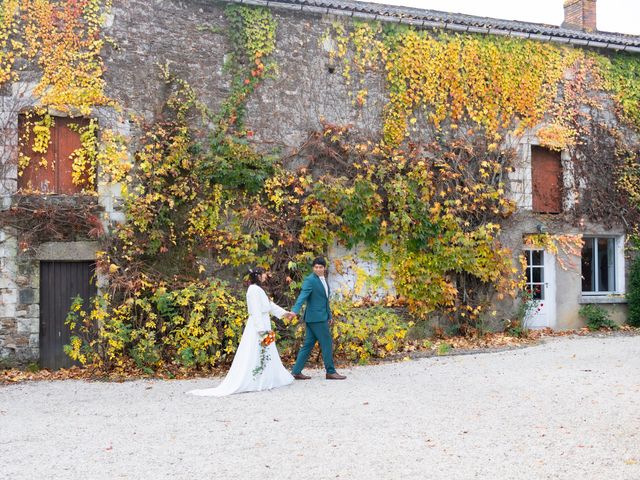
319	261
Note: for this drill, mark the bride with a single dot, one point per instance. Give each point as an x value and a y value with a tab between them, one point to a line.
256	365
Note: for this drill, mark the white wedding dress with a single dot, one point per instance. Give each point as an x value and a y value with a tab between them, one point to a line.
240	377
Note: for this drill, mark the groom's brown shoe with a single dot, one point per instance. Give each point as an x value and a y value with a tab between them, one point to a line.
335	376
301	376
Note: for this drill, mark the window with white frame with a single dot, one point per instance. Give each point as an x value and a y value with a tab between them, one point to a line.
535	274
600	267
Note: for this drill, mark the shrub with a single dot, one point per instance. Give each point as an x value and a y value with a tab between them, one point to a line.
197	325
363	332
596	317
633	293
527	307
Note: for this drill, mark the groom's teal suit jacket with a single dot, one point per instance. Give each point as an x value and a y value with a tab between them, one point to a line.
317	300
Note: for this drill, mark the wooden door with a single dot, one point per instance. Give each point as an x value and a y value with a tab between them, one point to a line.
60	282
546	174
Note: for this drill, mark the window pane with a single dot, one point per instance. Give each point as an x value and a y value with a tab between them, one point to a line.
588	274
537	274
605	265
538	292
611	253
536	257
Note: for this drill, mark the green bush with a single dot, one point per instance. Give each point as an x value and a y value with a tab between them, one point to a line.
527	307
596	317
633	293
361	333
195	326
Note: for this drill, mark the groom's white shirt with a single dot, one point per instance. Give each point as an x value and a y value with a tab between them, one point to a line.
324	284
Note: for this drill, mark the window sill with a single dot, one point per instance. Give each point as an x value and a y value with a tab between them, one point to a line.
610	298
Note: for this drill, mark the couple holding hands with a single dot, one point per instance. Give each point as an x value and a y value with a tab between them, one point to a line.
257	365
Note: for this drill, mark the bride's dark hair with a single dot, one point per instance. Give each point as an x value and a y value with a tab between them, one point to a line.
254	275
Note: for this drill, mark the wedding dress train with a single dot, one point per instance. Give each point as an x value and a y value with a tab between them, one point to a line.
240	377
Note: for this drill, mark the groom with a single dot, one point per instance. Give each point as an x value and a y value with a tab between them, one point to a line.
317	315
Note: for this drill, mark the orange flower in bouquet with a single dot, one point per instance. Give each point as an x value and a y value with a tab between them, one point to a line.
268	339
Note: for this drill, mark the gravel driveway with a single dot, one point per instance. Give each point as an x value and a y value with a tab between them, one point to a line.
569	408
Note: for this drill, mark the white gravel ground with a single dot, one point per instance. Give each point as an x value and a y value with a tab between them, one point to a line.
567	409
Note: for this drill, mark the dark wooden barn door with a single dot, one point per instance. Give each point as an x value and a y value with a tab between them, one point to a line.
60	282
546	173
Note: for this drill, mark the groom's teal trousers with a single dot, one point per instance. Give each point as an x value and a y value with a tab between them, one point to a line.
316	332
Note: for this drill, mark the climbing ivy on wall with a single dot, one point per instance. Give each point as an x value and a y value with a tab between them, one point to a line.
63	40
622	72
502	87
9	48
490	81
431	211
195	208
251	35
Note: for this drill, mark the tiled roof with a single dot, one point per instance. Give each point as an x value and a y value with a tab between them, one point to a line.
457	22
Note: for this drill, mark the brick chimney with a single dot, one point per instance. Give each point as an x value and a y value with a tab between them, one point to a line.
580	15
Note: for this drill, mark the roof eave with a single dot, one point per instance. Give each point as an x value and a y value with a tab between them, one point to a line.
446	25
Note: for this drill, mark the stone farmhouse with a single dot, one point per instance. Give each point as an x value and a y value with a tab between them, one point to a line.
307	88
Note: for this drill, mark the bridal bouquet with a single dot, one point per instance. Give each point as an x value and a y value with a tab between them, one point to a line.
267	339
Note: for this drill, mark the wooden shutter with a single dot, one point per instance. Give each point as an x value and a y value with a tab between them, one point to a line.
56	176
39	174
546	173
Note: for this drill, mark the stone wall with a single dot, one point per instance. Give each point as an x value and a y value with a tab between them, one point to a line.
18	340
20	293
190	36
20	270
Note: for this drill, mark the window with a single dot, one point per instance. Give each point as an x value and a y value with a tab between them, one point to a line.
535	273
546	177
47	145
599	265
